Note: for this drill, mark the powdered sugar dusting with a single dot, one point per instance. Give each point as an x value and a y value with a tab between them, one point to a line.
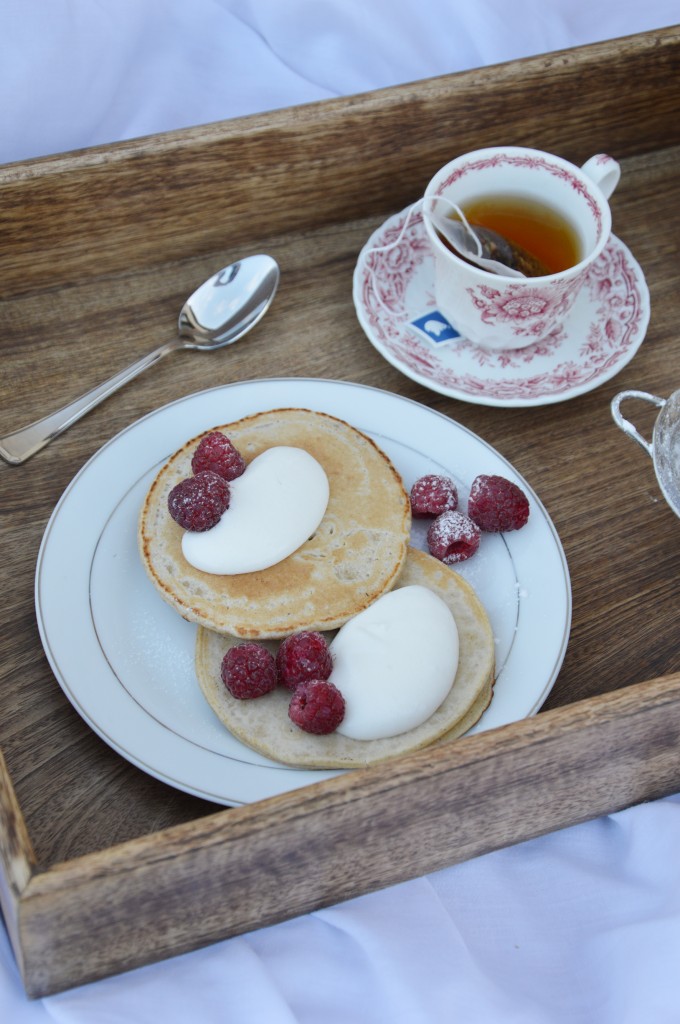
453	537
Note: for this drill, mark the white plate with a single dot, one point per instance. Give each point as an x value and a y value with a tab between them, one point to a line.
395	303
124	658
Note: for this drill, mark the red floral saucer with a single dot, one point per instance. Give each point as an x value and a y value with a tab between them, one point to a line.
395	303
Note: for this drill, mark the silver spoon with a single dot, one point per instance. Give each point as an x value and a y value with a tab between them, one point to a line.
218	313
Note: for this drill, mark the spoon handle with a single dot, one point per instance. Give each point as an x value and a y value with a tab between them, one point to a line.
17	447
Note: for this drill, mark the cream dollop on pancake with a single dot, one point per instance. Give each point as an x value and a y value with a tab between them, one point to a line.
353	557
273	509
263	723
406	637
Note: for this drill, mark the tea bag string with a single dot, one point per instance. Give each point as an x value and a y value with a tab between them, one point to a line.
413	208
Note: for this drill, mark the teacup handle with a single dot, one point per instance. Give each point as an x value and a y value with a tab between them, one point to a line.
604	171
625	425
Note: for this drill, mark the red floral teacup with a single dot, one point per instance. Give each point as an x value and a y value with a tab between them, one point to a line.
498	311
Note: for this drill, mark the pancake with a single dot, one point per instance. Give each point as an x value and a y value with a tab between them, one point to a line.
263	723
353	557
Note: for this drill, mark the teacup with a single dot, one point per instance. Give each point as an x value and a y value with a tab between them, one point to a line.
664	447
497	311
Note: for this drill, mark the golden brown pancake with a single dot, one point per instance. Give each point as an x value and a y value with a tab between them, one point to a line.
354	556
263	723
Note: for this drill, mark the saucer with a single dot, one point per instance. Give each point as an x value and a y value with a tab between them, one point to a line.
395	303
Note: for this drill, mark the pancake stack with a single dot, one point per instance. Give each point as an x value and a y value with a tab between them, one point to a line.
359	552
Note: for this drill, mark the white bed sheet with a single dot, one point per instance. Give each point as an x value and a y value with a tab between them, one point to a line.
77	73
581	925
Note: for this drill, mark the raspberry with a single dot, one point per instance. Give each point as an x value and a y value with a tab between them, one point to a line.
497	505
248	670
216	453
303	656
317	706
453	537
431	495
198	502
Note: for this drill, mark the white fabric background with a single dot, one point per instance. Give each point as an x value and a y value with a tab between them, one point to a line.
580	926
76	73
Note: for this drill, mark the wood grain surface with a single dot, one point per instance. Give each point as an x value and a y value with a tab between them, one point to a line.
99	250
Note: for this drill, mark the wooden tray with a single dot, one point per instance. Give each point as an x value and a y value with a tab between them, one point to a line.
105	868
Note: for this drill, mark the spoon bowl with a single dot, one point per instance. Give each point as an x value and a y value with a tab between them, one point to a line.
218	313
228	304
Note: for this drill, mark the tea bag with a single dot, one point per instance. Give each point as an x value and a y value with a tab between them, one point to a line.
482	246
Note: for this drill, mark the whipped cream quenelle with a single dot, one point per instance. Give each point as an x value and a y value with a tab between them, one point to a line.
394	663
275	506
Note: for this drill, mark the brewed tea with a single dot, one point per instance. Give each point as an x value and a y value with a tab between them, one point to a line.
530	225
